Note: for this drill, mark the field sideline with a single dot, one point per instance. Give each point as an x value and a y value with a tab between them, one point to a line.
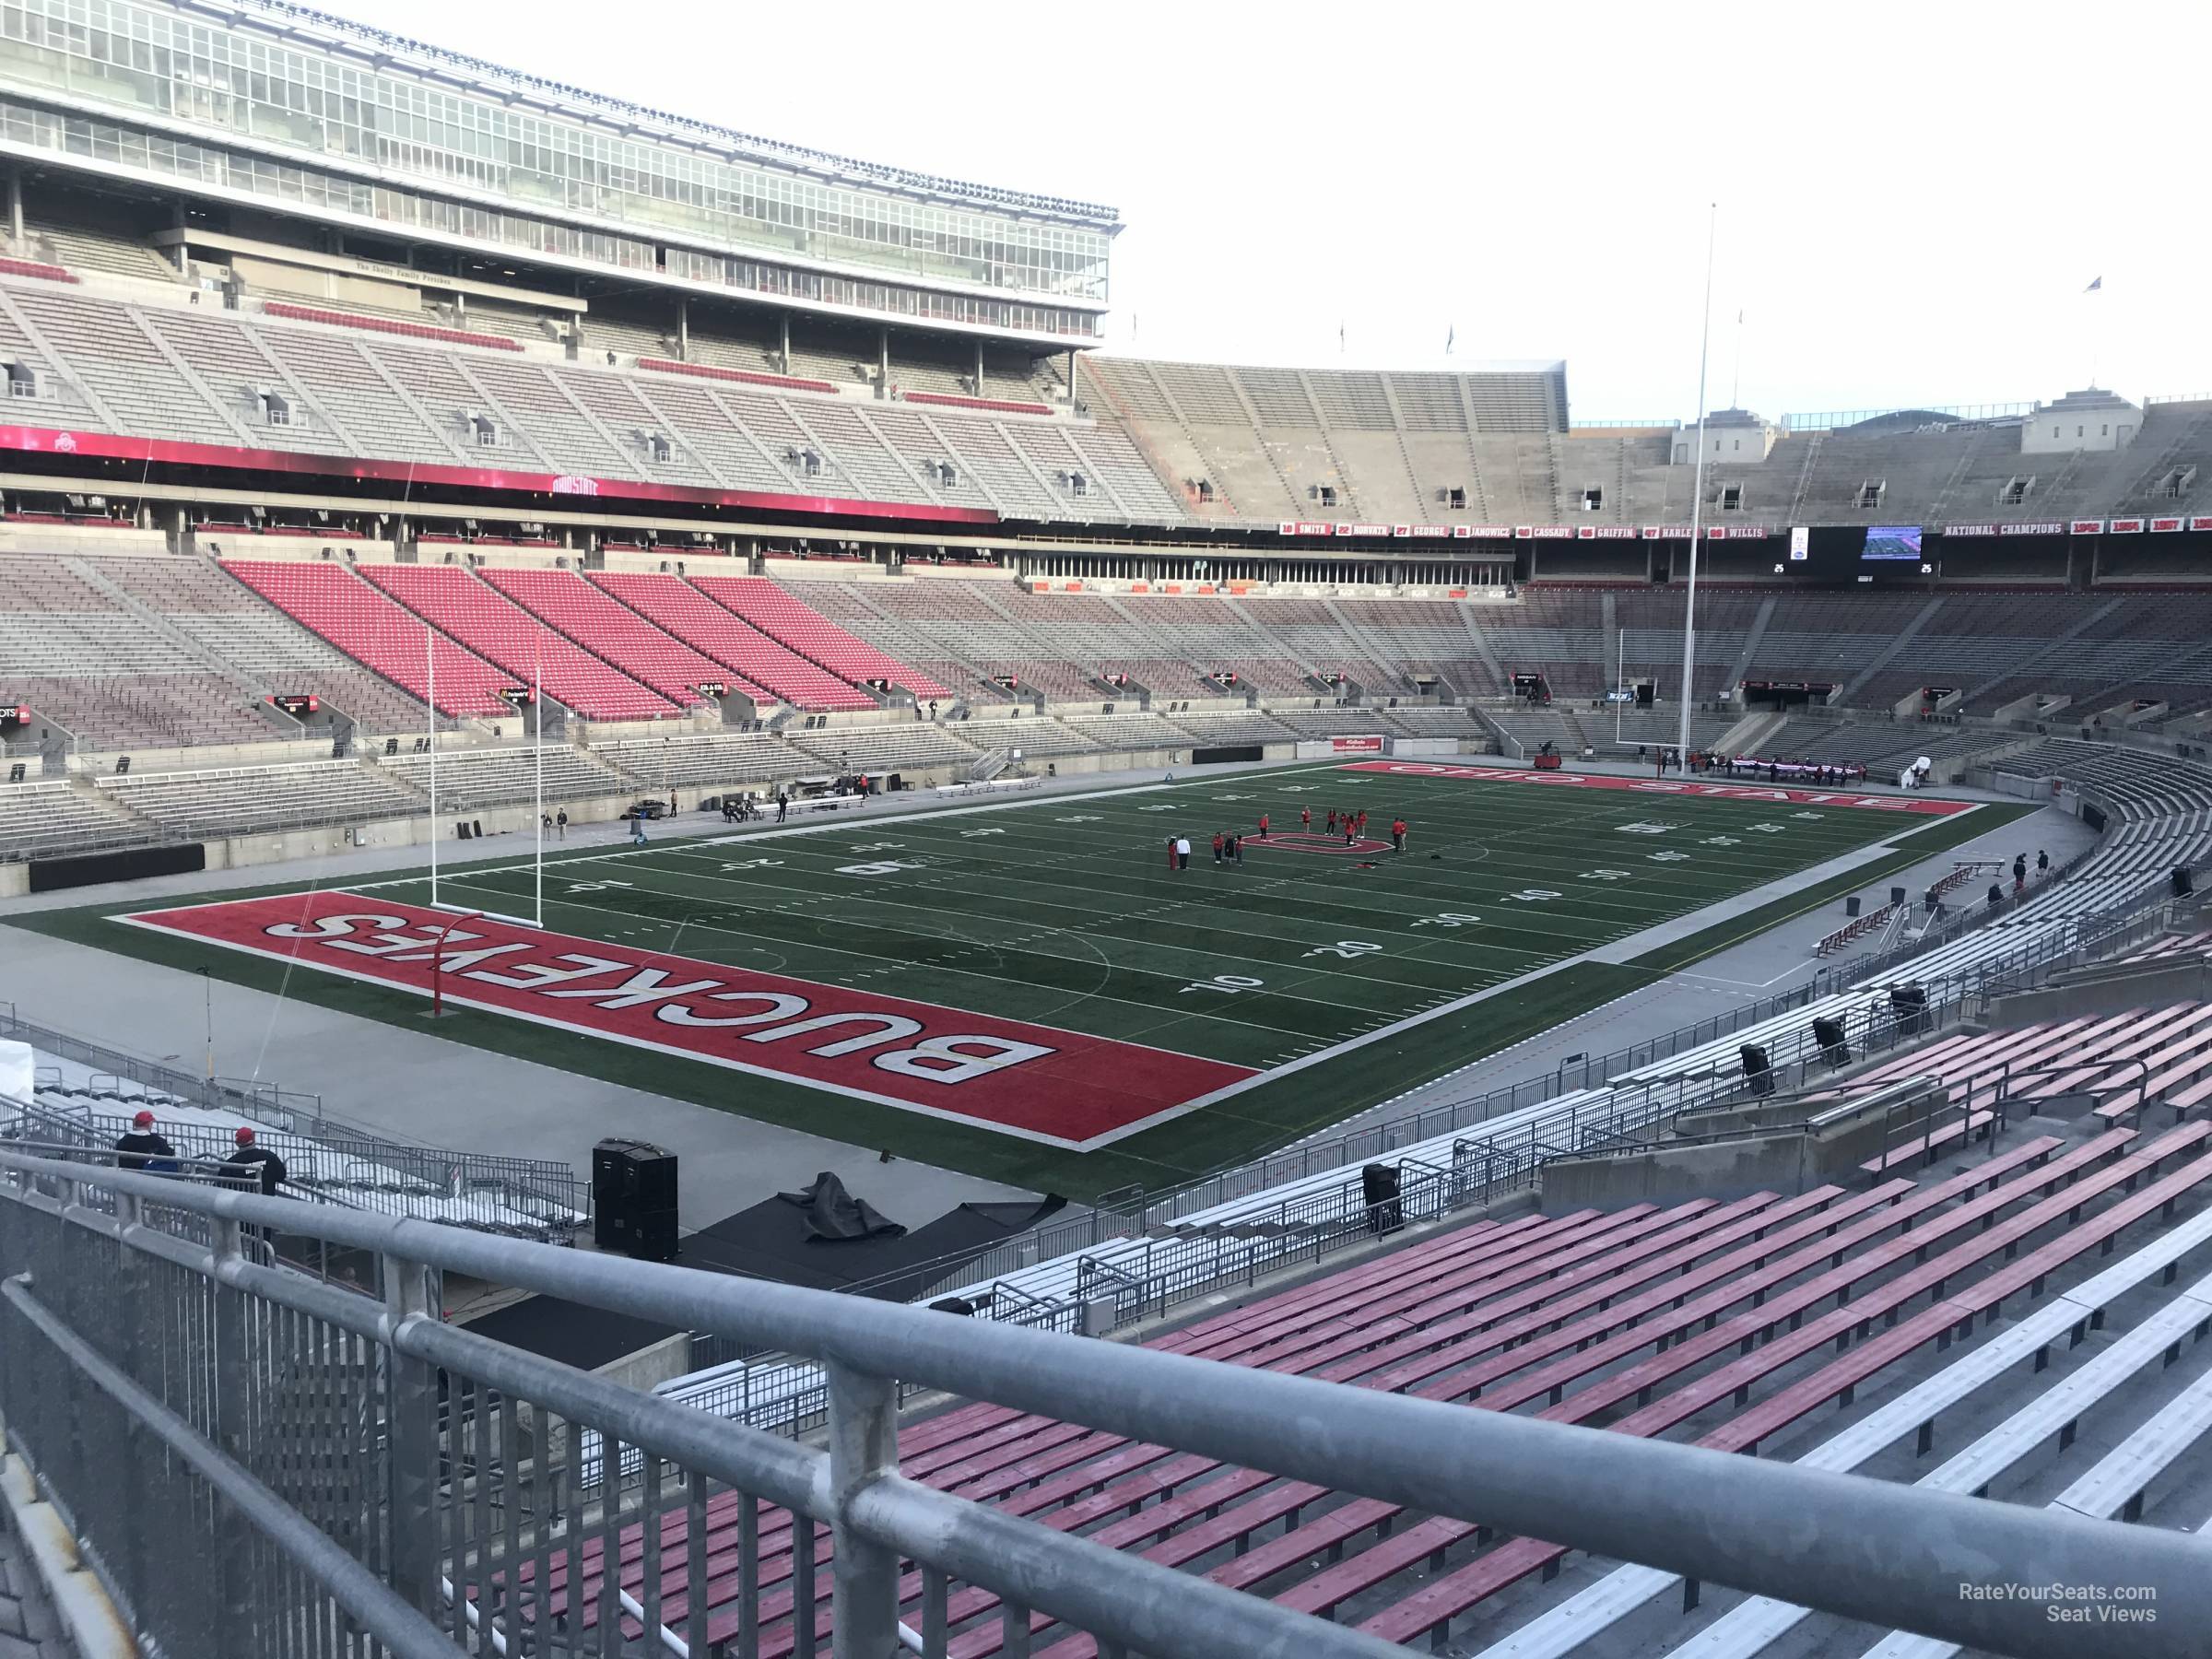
1025	990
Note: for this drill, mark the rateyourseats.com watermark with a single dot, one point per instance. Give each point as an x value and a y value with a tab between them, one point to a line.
2075	1604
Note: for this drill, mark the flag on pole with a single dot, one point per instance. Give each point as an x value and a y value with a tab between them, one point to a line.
2094	287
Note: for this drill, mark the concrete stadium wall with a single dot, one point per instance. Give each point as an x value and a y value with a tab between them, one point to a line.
277	752
1788	1161
15	880
2184	980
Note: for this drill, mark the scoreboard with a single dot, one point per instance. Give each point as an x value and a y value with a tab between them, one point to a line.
1861	554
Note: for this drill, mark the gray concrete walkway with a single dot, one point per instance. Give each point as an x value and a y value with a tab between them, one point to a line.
416	1086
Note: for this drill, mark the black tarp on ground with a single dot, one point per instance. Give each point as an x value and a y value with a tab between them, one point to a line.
569	1332
771	1240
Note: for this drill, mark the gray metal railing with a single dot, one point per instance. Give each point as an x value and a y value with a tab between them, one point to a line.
546	1188
259	1467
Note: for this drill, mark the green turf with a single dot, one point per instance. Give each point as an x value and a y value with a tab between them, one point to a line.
1063	912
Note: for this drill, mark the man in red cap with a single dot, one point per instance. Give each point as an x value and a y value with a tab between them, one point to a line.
251	1168
141	1144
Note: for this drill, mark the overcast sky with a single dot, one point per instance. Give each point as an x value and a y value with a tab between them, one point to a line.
1913	196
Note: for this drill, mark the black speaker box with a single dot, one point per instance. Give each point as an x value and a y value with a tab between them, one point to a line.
1757	1067
647	1234
630	1179
1828	1034
1910	1005
1378	1187
2185	883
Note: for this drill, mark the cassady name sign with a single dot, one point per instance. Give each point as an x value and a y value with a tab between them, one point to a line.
1038	1082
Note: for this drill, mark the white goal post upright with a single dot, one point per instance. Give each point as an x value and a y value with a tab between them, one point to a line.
430	653
1696	498
537	714
537	920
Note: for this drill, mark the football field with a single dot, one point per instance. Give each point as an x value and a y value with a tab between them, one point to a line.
1026	988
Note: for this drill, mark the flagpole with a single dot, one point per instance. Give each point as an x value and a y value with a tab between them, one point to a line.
2096	330
1735	377
1697	495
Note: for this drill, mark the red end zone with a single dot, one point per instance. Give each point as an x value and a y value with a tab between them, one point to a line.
1919	805
1038	1082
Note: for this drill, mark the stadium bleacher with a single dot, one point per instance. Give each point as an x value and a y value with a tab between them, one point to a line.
715	631
481	617
606	629
226	801
783	617
1732	1322
357	617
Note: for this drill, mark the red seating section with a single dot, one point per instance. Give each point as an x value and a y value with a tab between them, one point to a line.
786	617
368	628
36	267
676	605
790	382
1754	1314
494	626
608	629
1003	405
390	325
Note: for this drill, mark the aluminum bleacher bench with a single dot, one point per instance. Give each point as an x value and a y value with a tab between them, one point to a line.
1235	1527
1428	1540
1431	1608
964	1445
1748	1628
1547	1330
2071	1315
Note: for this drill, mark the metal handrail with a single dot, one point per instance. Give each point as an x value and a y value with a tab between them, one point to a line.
547	1180
1858	1547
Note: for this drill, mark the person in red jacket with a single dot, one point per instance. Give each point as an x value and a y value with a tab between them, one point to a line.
1263	826
1397	835
1305	817
1171	852
1217	844
1332	820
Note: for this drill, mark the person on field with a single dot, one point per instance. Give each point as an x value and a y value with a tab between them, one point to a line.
1263	826
1397	835
1182	851
783	806
1236	850
1171	852
140	1146
1218	841
560	825
1332	820
1305	817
